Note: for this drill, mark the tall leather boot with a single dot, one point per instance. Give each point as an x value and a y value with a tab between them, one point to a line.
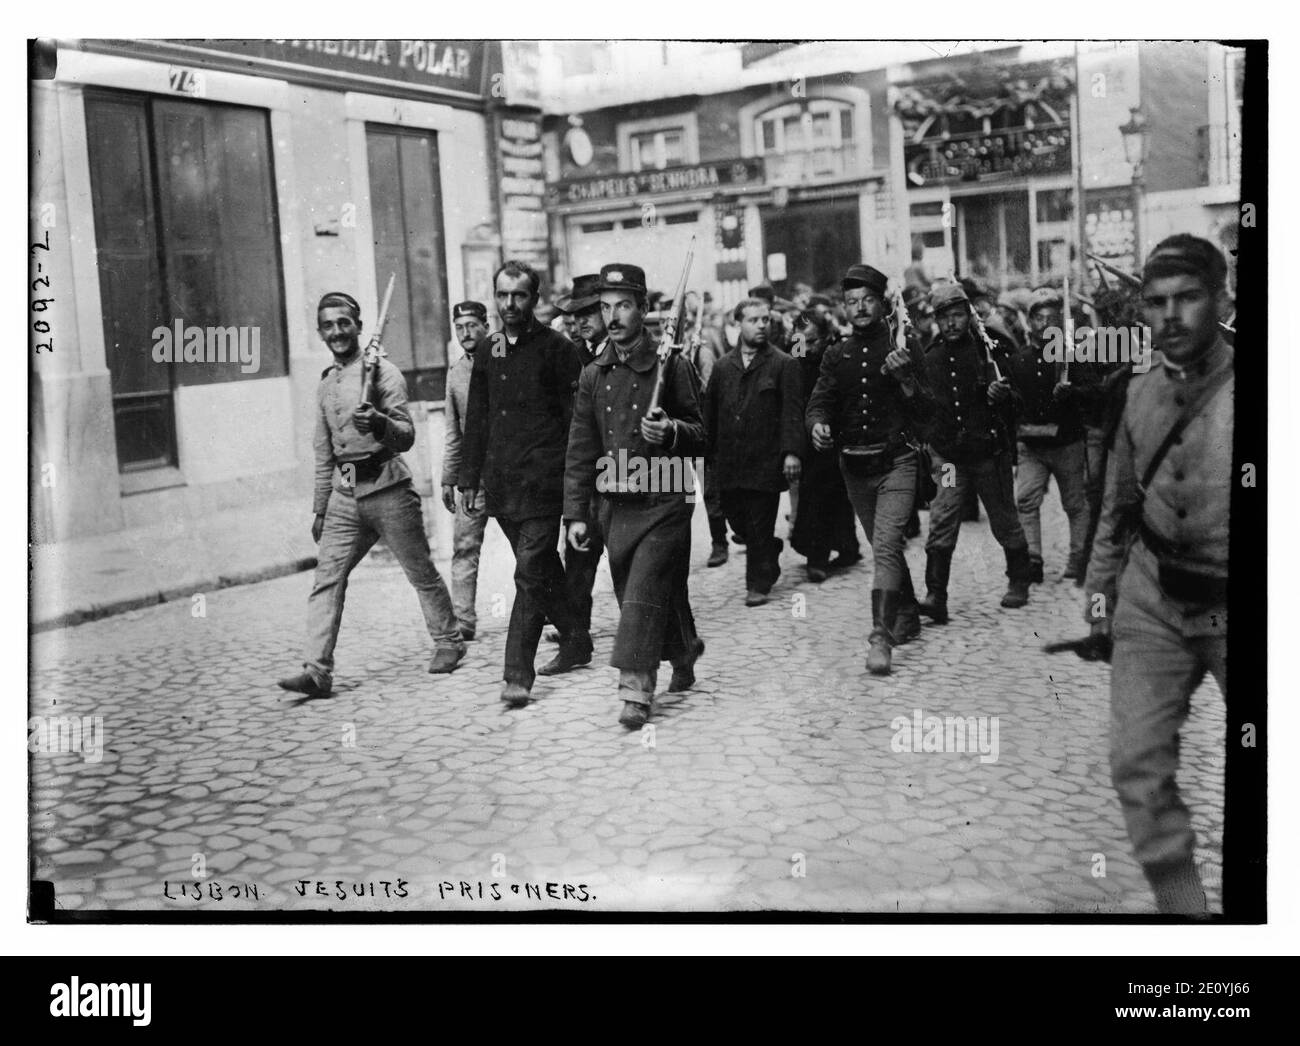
884	611
1019	572
938	564
908	622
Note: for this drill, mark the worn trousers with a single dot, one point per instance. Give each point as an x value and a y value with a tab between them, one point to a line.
883	502
540	594
467	545
1036	467
352	526
1095	450
991	479
753	514
1162	651
648	542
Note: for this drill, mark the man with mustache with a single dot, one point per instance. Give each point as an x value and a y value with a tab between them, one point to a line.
753	413
970	435
647	528
1157	580
363	492
520	403
870	402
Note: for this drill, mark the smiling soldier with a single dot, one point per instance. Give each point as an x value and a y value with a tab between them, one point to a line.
363	493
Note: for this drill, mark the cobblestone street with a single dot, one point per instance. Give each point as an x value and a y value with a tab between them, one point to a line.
775	784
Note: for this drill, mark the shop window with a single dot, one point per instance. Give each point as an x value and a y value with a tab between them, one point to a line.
406	208
186	233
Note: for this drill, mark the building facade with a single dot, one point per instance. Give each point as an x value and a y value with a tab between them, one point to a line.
198	197
785	179
790	162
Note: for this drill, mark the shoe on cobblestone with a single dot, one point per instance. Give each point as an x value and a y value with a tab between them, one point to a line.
634	716
718	555
570	656
844	561
817	572
755	599
515	695
1017	594
446	657
907	625
1073	569
306	683
935	607
466	633
1035	571
684	677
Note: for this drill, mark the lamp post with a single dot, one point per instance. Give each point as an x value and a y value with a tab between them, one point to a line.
1134	133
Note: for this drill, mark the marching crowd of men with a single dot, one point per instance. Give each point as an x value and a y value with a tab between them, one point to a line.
936	397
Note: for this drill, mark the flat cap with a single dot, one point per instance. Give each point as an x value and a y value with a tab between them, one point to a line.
470	308
620	276
865	276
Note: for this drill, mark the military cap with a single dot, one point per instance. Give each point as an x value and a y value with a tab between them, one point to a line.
1186	255
619	276
1043	297
820	299
339	300
470	308
947	293
865	276
586	294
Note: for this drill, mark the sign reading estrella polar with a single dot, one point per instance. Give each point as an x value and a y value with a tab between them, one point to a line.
631	185
452	64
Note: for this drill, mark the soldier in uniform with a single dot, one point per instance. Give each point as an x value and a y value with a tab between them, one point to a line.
1049	428
520	403
1157	581
824	520
647	531
753	414
363	492
869	402
970	430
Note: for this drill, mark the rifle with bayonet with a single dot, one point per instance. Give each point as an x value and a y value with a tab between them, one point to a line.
668	338
374	349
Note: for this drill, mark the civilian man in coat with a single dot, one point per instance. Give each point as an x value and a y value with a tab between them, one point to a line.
517	425
753	412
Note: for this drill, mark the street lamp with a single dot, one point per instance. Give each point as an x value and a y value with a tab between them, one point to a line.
1134	133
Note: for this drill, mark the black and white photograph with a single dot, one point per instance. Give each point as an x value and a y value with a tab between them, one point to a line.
647	478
